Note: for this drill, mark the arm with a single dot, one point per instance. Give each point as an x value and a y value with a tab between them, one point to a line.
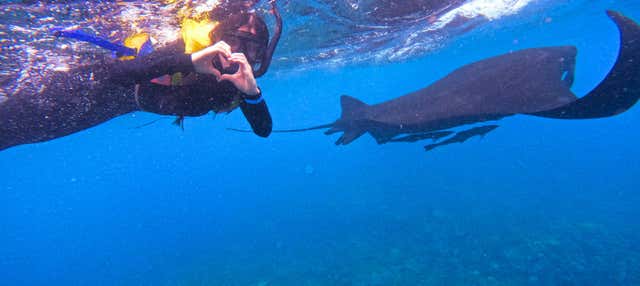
255	110
148	68
168	60
253	106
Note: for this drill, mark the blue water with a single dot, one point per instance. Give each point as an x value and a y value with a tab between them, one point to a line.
536	202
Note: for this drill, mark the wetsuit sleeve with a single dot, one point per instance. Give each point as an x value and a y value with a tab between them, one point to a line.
147	68
257	113
167	61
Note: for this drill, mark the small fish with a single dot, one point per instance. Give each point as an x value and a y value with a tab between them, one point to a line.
422	136
463	136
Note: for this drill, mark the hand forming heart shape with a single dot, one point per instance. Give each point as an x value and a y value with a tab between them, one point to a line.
221	63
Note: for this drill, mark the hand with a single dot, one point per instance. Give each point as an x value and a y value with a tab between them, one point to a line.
243	79
203	59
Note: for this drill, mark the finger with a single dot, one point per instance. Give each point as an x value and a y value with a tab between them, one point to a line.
243	67
218	48
239	56
221	57
211	52
240	59
230	77
221	44
224	47
215	72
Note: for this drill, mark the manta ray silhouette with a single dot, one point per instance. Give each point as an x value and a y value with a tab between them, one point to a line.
532	82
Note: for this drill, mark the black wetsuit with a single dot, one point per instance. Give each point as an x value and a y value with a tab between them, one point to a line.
62	103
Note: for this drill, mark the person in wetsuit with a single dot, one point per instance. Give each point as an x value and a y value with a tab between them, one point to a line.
218	78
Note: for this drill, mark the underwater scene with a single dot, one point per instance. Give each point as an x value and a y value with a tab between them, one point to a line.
318	142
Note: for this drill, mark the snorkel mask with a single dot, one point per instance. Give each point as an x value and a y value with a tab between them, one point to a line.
253	45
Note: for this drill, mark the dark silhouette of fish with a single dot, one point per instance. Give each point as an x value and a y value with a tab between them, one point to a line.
532	82
462	136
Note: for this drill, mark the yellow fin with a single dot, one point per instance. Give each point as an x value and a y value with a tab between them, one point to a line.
135	41
196	34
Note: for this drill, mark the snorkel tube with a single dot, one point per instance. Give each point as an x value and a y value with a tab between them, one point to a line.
266	60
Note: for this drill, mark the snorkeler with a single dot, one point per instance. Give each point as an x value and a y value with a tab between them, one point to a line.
171	80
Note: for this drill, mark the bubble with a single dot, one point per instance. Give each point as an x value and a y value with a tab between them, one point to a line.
308	169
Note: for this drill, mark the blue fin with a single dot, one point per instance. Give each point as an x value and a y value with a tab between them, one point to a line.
118	49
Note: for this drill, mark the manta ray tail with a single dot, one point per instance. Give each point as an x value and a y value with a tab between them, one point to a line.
620	89
351	122
323	126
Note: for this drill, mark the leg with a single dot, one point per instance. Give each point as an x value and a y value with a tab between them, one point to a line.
60	104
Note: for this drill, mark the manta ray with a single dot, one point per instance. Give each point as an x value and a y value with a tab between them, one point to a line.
532	82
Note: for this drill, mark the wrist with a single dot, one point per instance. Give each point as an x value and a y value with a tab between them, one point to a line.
194	57
253	93
253	99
